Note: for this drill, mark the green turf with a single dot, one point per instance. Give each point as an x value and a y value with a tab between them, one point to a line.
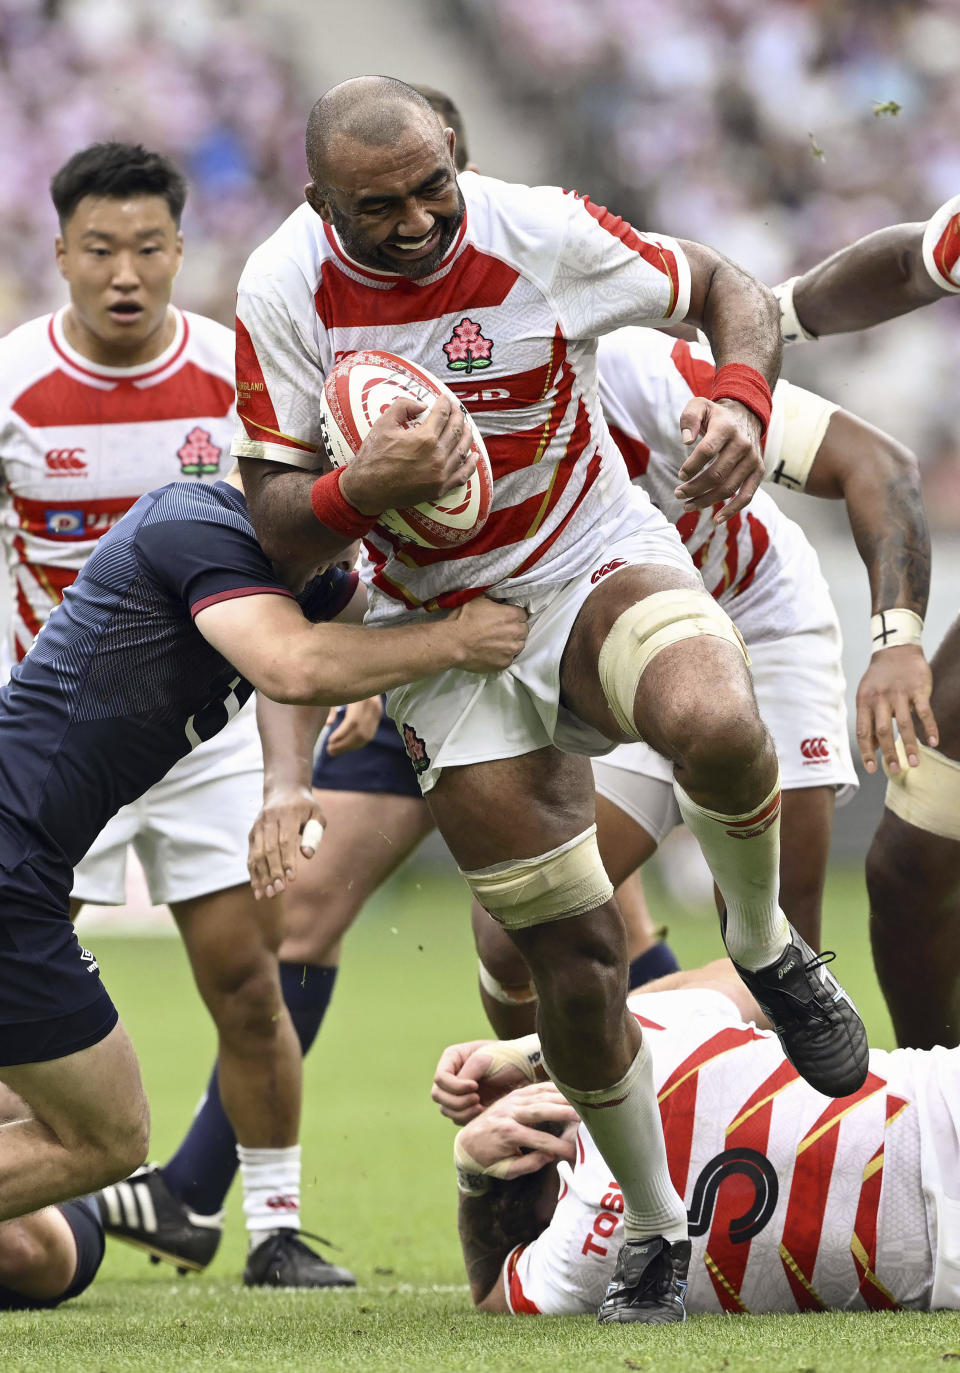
378	1181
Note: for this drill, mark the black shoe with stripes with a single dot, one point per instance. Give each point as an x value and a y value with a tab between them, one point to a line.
142	1211
283	1260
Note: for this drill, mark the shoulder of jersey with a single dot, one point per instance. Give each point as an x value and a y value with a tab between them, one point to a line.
213	341
25	353
292	254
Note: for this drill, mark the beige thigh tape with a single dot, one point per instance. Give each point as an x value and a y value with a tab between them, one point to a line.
569	880
640	633
928	795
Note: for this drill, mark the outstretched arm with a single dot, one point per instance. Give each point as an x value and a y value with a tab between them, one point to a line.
879	481
876	278
295	662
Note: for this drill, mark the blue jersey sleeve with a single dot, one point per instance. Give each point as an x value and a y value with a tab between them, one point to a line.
203	551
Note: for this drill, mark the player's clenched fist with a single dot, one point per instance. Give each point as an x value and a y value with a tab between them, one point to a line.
403	462
492	633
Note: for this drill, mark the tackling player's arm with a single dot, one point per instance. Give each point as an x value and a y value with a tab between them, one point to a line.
739	315
277	838
292	661
879	481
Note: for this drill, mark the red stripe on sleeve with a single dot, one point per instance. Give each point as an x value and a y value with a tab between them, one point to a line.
254	405
520	1303
651	252
235	592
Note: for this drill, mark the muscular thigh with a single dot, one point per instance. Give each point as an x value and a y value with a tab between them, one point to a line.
513	807
945	699
580	685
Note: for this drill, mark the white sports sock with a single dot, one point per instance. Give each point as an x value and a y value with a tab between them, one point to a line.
271	1190
743	853
624	1121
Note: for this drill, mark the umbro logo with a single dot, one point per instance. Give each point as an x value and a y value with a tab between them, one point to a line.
87	957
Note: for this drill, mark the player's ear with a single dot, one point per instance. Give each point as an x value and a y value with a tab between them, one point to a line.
318	202
178	250
60	251
450	138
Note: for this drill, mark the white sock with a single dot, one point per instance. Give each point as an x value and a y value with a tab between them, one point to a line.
271	1190
624	1121
743	853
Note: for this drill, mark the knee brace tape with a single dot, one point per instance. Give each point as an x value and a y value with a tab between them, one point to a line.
569	880
928	795
640	633
506	996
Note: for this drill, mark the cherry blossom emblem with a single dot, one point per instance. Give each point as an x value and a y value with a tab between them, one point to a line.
468	351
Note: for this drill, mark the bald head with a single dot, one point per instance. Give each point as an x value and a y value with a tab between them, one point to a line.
375	111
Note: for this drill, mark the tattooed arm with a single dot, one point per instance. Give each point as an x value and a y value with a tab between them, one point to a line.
879	481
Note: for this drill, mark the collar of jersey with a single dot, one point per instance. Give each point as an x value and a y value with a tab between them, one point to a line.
388	279
141	372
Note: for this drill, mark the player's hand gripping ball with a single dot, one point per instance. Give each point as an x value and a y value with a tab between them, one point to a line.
361	388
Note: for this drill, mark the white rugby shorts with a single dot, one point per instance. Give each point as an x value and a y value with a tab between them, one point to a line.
190	829
456	718
800	690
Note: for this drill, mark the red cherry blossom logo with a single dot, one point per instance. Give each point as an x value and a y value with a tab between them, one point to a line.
468	350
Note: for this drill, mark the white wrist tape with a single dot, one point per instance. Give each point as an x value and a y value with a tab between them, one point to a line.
893	628
311	834
791	330
473	1179
524	1054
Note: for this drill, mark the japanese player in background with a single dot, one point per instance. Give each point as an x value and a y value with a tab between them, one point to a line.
516	284
913	867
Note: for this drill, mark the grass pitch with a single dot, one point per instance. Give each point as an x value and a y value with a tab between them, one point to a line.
378	1181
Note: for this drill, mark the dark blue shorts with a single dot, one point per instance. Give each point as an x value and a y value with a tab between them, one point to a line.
84	1221
382	766
52	1001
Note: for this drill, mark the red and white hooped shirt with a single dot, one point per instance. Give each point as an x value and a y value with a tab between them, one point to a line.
941	245
80	443
796	1201
509	320
759	565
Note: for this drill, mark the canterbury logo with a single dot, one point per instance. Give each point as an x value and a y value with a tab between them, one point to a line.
283	1203
65	462
606	569
815	750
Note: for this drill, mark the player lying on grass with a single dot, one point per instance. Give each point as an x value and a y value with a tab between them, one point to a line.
913	867
174	621
796	1202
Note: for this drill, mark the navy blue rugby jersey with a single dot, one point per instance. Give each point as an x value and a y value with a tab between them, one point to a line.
120	684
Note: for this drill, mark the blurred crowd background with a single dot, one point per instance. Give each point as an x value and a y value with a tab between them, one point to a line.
775	132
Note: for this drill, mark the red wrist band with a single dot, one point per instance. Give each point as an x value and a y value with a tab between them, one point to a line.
332	508
738	381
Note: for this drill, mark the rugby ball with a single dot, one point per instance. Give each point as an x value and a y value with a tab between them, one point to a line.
362	387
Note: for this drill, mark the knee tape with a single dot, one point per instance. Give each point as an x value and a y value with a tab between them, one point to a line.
927	796
640	633
506	996
569	880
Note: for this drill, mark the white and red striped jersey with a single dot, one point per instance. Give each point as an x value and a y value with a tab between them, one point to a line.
941	245
759	565
509	320
796	1201
79	443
